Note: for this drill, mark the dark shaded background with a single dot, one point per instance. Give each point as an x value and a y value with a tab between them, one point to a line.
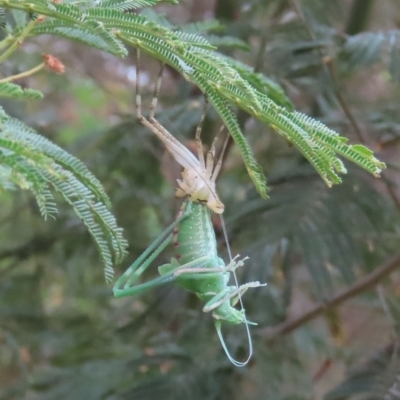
63	336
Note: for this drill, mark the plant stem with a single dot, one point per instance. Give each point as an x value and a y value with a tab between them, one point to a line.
23	74
364	284
6	41
18	40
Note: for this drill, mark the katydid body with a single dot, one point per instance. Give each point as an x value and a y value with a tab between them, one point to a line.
196	267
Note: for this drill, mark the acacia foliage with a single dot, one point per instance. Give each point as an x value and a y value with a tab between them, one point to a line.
65	326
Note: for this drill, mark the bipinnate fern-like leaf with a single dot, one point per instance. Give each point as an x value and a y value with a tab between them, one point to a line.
8	89
30	161
106	26
219	80
261	83
70	21
66	160
23	164
3	21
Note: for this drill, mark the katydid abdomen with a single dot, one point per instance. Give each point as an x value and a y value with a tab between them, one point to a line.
194	237
197	266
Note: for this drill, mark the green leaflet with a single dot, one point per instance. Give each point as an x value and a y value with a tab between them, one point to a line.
363	150
125	5
8	89
24	163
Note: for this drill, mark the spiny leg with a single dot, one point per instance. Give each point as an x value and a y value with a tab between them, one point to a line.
154	126
209	306
123	285
199	144
211	155
232	266
153	105
220	158
168	276
232	293
156	92
138	94
181	154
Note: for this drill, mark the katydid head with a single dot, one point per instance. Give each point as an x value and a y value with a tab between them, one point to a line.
225	313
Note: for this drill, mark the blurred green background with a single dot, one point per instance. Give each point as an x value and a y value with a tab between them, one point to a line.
63	335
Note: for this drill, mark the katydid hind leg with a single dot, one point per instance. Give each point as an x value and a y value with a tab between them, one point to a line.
210	164
167	277
156	91
218	166
144	287
165	268
138	102
122	286
199	144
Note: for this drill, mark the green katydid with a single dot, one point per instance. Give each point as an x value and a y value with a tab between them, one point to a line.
197	266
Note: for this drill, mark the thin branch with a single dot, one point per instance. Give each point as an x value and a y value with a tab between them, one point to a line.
6	42
322	370
364	284
23	74
18	41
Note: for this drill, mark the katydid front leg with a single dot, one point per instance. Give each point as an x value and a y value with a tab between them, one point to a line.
232	266
231	292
